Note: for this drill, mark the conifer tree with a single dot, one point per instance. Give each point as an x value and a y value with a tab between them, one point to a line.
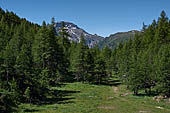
163	71
106	54
78	62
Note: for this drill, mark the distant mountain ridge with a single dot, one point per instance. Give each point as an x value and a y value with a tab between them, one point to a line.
114	39
91	40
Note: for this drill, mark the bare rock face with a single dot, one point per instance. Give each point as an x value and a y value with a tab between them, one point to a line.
75	32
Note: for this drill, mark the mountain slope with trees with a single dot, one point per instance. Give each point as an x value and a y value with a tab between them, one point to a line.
143	63
33	60
115	39
74	34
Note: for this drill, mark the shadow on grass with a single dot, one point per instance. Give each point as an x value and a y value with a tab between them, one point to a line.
60	85
151	94
55	97
111	82
61	93
59	97
30	110
62	100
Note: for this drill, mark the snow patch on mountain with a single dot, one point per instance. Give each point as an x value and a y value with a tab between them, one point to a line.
75	32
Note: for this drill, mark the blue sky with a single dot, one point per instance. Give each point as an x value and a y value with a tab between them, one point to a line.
102	17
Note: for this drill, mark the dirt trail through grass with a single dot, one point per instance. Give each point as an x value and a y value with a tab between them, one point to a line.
115	89
85	98
115	93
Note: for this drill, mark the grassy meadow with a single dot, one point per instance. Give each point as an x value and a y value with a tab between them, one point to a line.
107	98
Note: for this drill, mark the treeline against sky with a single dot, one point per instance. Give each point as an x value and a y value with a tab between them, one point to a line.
34	58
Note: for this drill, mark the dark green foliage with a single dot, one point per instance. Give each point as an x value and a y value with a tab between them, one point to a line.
33	58
64	51
163	72
27	94
78	61
6	102
44	51
88	64
99	69
143	63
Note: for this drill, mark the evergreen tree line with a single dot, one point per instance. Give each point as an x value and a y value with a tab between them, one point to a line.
144	63
33	58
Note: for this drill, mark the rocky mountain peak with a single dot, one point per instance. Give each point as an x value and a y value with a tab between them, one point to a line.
75	32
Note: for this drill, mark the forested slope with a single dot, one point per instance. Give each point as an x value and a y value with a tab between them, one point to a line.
115	39
33	59
144	63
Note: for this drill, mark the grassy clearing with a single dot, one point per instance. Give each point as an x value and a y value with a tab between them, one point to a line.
85	98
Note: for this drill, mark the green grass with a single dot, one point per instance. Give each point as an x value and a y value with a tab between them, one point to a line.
85	98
